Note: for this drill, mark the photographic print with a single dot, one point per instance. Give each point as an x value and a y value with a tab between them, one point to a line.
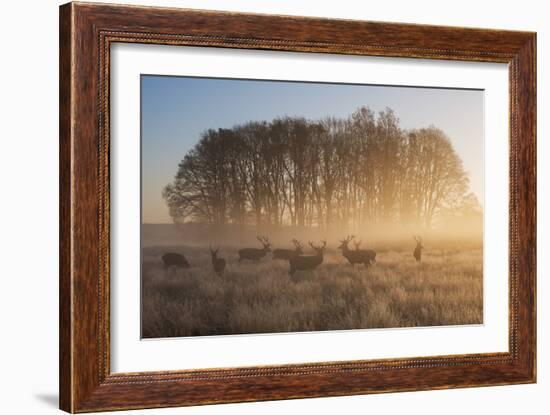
285	206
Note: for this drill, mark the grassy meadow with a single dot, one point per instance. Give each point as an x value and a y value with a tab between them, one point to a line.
261	297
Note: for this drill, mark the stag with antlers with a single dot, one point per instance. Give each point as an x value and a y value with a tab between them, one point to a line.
255	254
307	262
359	256
419	247
217	263
288	253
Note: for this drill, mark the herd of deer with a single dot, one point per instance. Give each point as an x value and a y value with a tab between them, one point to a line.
295	257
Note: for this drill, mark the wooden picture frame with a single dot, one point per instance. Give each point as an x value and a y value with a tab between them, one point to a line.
86	33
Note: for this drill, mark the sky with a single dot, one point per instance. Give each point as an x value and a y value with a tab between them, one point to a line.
176	110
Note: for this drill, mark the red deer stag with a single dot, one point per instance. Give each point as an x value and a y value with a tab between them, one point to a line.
418	250
217	263
288	253
359	256
171	259
256	254
307	262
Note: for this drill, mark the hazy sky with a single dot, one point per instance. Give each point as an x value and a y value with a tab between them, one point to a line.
175	110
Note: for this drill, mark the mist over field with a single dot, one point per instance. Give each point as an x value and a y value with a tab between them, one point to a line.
396	290
446	288
465	233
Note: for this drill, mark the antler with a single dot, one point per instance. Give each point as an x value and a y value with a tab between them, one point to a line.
347	239
318	248
357	243
264	240
297	243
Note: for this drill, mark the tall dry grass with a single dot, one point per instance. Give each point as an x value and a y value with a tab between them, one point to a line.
445	289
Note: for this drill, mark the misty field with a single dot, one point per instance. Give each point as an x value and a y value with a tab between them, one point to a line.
261	297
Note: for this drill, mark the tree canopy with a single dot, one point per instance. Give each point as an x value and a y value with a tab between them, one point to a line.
333	172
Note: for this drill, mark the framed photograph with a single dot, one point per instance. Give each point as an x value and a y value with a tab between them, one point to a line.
260	207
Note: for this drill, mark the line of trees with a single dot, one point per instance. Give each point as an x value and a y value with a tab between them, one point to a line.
333	172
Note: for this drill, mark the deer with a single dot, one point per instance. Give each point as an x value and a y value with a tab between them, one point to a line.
171	259
368	252
255	254
418	250
359	256
307	262
288	253
217	263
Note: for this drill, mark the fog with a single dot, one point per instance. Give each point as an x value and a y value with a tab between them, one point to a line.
461	233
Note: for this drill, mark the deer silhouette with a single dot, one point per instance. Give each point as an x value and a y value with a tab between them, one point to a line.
217	263
418	250
255	254
171	259
359	256
307	262
288	253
